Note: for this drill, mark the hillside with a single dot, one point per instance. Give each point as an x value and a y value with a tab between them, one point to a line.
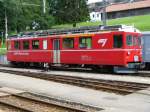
140	22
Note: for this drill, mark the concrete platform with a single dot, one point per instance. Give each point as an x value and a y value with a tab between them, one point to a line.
11	90
125	78
110	102
5	91
136	102
3	94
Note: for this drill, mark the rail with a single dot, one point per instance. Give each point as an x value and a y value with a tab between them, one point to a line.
43	100
123	88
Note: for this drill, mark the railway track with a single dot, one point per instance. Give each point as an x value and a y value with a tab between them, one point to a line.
29	102
122	88
141	73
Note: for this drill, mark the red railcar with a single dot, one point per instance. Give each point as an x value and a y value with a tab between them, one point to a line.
107	47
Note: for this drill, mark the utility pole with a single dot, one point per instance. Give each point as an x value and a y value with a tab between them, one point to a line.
6	25
44	6
104	15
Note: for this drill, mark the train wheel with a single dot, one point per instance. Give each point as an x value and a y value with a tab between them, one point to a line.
96	68
13	64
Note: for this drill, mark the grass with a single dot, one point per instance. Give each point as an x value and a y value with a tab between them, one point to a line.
3	51
140	22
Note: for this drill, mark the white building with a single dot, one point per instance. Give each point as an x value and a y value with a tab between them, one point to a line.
94	15
93	1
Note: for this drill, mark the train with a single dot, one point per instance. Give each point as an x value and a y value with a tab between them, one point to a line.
112	48
146	50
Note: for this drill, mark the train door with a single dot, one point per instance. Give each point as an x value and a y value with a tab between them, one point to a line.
56	51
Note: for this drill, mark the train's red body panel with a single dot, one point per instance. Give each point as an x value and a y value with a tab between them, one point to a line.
116	48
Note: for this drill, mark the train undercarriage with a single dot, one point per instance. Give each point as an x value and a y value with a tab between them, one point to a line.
132	67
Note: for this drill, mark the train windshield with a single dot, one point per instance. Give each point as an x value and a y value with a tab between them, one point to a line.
129	40
133	40
139	41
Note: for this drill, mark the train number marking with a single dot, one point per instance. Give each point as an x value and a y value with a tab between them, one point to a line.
102	42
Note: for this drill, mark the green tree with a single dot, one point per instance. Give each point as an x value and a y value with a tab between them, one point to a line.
69	11
22	14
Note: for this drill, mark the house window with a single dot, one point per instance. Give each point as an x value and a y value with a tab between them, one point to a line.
35	44
25	44
93	16
85	42
68	43
118	41
97	15
17	45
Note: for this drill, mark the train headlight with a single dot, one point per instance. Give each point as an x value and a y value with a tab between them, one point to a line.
136	58
128	53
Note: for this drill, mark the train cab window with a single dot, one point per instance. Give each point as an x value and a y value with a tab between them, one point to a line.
35	44
85	42
118	41
135	40
25	44
129	40
68	43
17	45
44	44
139	41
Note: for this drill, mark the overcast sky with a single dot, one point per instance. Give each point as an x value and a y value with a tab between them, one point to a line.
92	1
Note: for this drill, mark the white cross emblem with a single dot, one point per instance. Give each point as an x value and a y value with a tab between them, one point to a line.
102	41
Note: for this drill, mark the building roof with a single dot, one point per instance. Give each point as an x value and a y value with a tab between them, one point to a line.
93	1
128	6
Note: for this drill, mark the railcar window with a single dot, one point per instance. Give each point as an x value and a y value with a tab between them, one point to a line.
129	40
85	42
35	44
17	45
118	41
44	44
68	43
25	44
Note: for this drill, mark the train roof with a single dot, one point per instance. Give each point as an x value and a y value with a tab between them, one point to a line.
81	30
146	33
